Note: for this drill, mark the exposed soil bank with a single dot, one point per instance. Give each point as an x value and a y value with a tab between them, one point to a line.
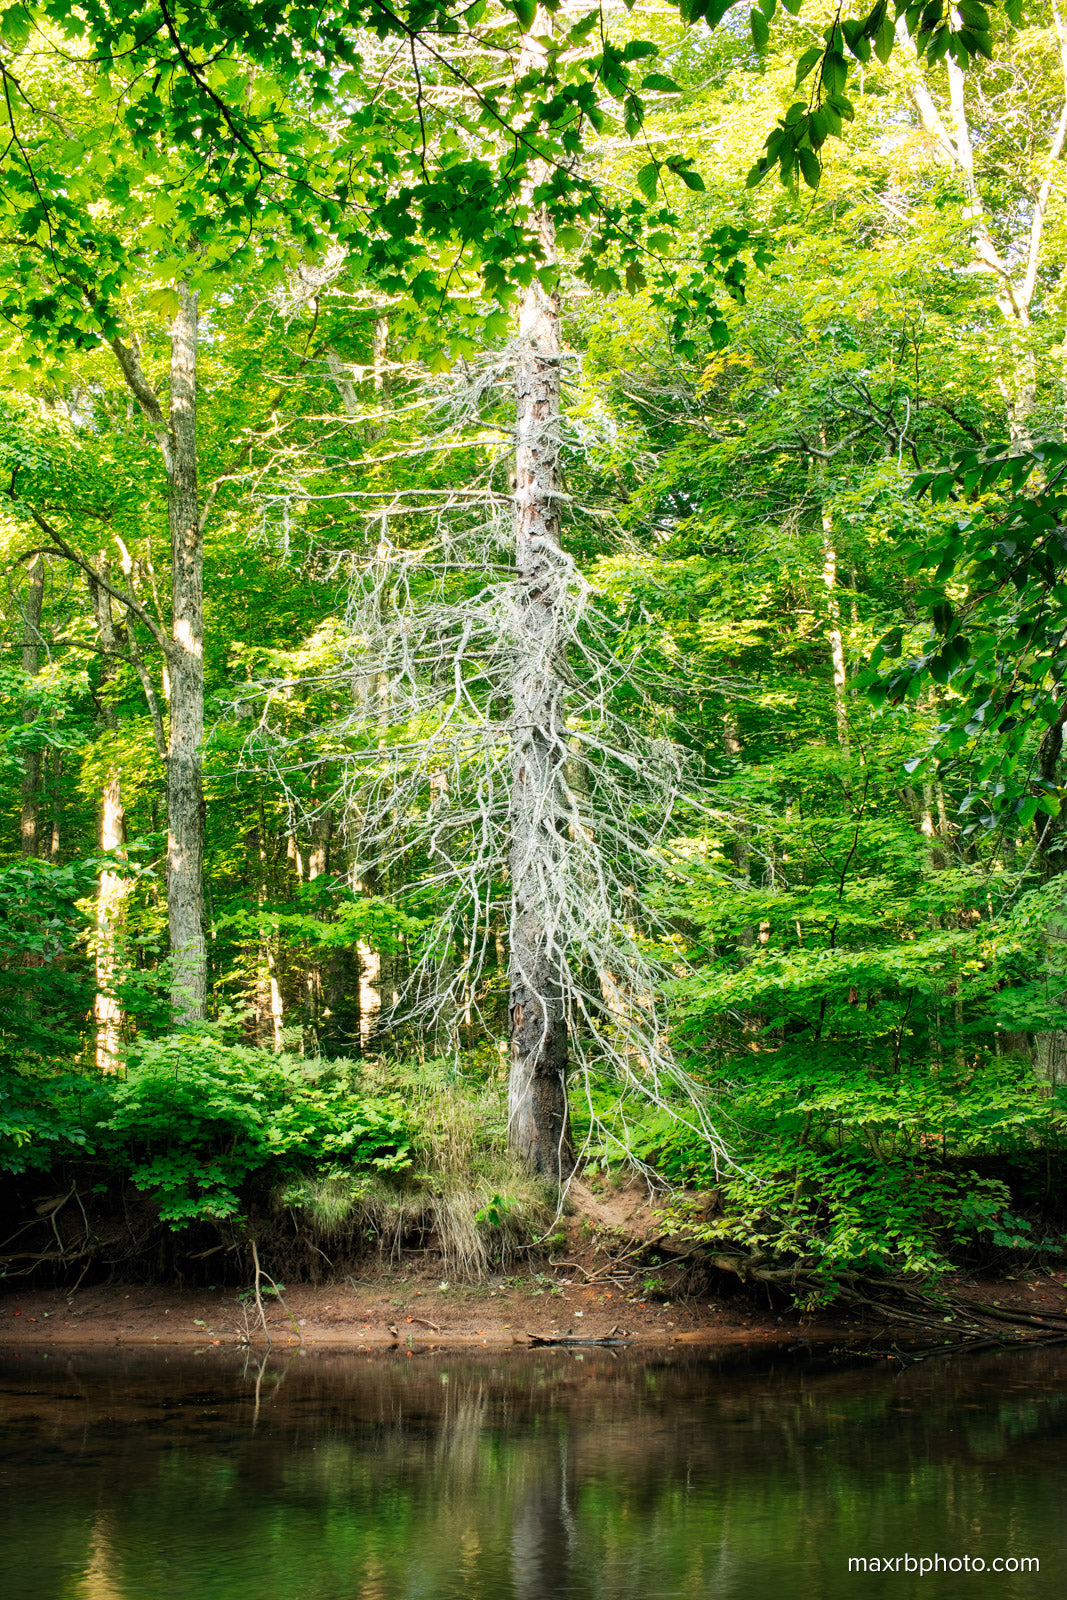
403	1309
412	1310
615	1276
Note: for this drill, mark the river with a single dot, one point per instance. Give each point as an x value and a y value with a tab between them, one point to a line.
597	1474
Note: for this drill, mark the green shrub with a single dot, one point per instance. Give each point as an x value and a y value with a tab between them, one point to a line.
839	1170
195	1123
41	1121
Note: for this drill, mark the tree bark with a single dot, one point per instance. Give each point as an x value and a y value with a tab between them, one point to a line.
31	665
110	914
175	434
538	1127
1014	291
833	615
185	798
113	887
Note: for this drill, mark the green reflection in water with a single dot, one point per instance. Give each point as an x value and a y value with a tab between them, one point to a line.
330	1477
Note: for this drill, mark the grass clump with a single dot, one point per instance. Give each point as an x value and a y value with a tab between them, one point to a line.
462	1196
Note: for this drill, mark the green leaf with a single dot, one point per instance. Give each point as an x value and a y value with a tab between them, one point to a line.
818	128
807	61
661	83
164	302
938	45
809	166
884	40
834	72
715	12
524	11
15	26
761	32
639	50
691	179
648	180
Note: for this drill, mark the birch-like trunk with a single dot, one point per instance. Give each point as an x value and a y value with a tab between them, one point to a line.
538	1128
29	820
55	795
113	887
833	617
1014	271
833	607
185	799
110	914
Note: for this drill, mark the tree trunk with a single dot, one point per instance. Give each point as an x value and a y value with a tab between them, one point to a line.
538	1128
833	614
113	887
183	665
31	665
1014	272
185	799
110	914
833	611
55	795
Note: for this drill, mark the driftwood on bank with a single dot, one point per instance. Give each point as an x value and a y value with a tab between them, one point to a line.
539	1340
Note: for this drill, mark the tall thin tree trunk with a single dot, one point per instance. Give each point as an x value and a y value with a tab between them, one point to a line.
318	861
837	646
183	667
110	914
1014	272
538	1127
113	887
185	798
31	666
55	795
833	610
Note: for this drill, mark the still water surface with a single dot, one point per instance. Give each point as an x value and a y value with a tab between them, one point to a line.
330	1477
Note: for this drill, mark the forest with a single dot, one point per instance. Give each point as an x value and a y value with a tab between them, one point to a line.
534	632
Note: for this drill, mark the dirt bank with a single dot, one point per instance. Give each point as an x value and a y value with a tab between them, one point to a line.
616	1276
405	1309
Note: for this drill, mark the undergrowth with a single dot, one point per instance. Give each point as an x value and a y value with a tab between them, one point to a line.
917	1173
353	1156
462	1196
920	1173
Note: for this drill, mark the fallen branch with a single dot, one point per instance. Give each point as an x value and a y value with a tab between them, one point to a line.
540	1339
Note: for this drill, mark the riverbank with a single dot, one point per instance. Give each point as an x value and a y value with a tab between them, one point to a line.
409	1309
402	1309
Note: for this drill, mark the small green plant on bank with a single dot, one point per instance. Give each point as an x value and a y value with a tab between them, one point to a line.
495	1210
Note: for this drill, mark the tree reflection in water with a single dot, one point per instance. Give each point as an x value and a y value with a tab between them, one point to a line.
527	1477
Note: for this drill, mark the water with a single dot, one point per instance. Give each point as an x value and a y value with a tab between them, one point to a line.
526	1477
